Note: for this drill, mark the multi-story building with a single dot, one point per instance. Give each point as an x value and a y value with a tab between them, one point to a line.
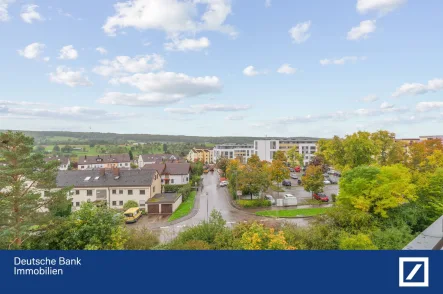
63	160
172	173
106	161
265	149
205	155
232	151
115	186
424	138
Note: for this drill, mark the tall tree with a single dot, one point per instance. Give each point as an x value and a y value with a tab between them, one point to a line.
131	156
280	155
279	172
22	180
253	177
294	156
359	149
56	148
313	180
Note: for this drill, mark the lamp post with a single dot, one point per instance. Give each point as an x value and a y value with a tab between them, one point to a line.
207	206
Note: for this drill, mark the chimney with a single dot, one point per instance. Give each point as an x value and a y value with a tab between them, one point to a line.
116	172
102	172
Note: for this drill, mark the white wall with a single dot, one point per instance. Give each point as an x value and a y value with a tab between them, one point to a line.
263	149
178	179
177	203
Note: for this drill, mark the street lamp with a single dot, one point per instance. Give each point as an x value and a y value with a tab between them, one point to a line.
207	206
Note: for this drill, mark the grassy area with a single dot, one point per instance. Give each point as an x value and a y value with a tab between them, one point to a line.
293	212
184	208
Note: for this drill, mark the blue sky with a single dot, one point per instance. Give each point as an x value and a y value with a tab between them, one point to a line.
221	68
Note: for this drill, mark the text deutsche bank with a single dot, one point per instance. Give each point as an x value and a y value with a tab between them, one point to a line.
43	266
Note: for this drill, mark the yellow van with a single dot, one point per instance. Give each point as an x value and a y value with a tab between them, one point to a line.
132	214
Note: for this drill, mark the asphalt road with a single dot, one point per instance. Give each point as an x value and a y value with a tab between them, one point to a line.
214	197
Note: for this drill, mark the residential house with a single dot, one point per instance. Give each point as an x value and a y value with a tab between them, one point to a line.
105	161
172	173
424	138
155	158
114	186
205	155
63	160
232	151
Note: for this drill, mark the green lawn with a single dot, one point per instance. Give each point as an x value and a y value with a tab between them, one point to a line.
293	212
184	208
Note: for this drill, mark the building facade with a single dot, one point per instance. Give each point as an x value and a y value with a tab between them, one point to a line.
106	161
265	149
144	159
63	160
232	151
205	155
172	173
438	137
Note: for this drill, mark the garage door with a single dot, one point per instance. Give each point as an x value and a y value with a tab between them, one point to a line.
153	208
166	208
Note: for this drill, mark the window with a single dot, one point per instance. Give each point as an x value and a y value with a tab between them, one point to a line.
142	192
114	203
187	179
89	192
77	204
273	145
141	202
129	192
120	191
153	189
114	191
120	203
77	192
82	167
172	181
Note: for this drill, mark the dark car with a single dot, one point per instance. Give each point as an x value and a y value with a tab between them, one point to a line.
299	182
321	196
286	183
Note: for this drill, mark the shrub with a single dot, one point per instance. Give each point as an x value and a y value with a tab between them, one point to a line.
193	245
253	203
357	242
141	239
172	188
185	191
130	204
333	197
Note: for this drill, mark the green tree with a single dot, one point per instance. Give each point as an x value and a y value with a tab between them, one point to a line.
40	149
131	156
165	148
130	204
313	180
430	193
376	190
357	242
294	156
222	163
56	148
253	178
197	168
280	155
278	172
23	210
359	149
384	142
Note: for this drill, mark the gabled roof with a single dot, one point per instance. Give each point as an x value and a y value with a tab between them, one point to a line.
96	178
108	158
61	159
158	157
160	168
177	168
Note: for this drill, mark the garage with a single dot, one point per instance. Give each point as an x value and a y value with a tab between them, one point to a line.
165	203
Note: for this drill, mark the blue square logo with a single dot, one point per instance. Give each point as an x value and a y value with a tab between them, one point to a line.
414	272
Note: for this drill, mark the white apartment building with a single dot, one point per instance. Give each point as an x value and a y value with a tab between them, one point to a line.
265	149
105	161
232	151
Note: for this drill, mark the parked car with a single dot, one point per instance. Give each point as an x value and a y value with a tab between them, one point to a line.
223	183
291	170
299	182
326	182
333	181
293	176
290	200
321	196
286	183
289	196
270	198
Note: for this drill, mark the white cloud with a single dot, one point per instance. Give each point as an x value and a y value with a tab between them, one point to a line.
22	103
4	16
125	64
46	59
235	117
172	83
188	44
341	61
171	16
381	6
32	51
299	33
66	76
250	71
29	13
419	89
268	3
386	105
427	106
362	31
370	98
68	52
139	99
202	108
101	50
286	69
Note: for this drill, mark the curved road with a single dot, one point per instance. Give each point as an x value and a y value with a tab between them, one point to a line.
214	197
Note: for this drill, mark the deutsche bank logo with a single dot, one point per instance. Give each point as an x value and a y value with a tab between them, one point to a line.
414	272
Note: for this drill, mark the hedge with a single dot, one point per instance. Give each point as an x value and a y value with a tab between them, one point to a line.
173	188
253	203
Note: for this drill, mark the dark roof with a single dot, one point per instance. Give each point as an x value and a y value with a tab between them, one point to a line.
77	178
158	157
177	168
108	158
160	168
164	198
61	159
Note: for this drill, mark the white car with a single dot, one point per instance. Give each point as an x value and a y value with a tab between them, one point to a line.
294	176
270	198
223	183
290	200
289	196
326	182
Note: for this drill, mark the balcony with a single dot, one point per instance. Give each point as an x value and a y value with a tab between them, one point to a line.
429	239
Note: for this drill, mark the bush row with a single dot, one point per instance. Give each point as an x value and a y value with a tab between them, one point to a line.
253	203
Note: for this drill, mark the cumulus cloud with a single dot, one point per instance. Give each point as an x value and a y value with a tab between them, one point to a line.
29	13
299	33
171	16
124	64
32	51
419	89
66	76
139	99
341	61
268	3
362	31
22	103
386	105
235	117
4	5
380	6
202	108
427	106
68	52
370	98
250	71
286	69
188	44
101	50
